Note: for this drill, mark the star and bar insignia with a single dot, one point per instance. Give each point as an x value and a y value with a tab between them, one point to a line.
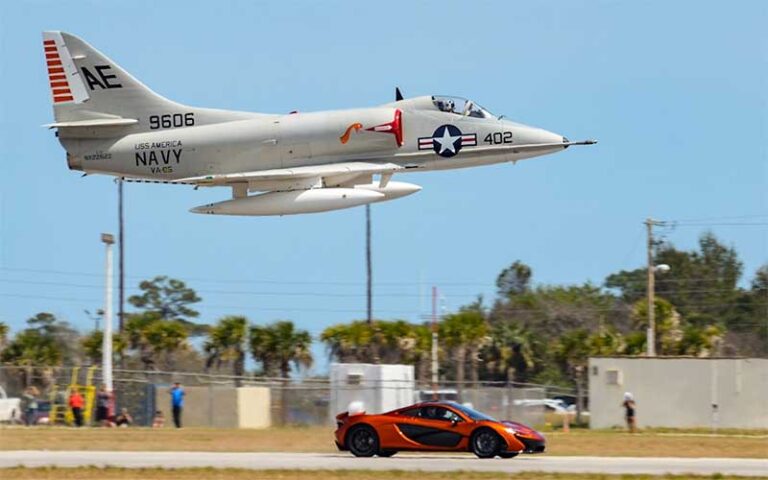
447	141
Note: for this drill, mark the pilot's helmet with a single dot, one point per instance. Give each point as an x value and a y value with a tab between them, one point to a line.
449	105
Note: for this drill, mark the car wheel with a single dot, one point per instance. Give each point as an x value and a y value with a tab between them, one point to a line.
486	443
362	441
508	454
387	453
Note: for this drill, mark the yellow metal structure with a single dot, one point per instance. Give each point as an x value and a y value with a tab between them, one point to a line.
60	411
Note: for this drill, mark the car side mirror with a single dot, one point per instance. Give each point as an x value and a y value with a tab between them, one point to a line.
454	422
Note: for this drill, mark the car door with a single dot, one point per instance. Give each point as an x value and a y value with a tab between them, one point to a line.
434	428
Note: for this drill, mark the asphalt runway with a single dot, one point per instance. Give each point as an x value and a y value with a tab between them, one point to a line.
412	462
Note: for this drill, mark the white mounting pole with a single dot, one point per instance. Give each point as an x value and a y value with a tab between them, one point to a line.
434	344
106	346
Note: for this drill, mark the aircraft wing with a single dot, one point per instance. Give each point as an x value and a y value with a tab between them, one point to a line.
331	174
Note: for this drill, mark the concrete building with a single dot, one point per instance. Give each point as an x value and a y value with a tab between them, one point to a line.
681	392
377	388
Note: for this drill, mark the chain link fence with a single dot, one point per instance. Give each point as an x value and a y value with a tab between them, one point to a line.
212	399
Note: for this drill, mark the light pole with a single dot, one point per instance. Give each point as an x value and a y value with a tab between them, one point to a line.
650	339
106	346
434	344
368	267
121	260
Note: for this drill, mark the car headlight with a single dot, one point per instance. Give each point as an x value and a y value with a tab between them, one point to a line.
510	430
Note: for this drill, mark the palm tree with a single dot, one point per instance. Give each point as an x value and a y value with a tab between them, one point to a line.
394	340
226	344
573	350
92	344
136	326
279	346
3	335
464	333
509	355
421	354
352	342
165	338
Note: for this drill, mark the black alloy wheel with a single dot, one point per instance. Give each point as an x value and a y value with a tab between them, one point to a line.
486	443
362	441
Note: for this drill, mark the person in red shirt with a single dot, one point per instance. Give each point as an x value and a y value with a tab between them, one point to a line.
76	403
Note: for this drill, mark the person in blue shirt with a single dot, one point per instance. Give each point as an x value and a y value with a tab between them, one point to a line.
177	403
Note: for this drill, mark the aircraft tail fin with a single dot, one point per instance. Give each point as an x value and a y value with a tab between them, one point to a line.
86	86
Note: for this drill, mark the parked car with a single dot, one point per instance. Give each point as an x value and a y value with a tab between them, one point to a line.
434	426
551	404
10	408
439	395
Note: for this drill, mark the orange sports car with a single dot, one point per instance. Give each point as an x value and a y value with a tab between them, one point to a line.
432	427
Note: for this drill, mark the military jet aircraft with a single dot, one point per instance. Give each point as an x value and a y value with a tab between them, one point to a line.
110	123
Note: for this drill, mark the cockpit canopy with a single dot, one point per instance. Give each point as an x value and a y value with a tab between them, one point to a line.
460	106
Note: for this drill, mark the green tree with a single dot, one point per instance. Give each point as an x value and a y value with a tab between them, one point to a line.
699	341
551	310
350	342
226	344
155	341
421	354
463	334
4	330
170	299
46	343
93	342
279	346
509	355
166	338
701	284
514	279
667	324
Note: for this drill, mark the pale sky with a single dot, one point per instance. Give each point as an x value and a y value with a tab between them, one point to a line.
674	91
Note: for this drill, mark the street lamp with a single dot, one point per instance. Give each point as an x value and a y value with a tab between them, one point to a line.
106	345
651	332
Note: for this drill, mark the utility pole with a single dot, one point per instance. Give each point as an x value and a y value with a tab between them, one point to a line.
106	346
651	290
434	344
121	259
369	283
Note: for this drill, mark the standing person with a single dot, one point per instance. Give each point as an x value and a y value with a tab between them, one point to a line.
30	405
177	403
629	406
76	403
103	399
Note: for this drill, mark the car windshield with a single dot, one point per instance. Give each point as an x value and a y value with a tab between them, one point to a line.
460	106
471	413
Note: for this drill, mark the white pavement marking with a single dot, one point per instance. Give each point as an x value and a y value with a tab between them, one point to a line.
341	461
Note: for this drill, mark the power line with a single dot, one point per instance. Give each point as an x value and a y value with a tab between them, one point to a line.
255	281
237	292
729	217
618	307
723	224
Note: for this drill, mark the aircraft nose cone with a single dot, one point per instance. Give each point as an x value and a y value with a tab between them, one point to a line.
539	135
528	135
